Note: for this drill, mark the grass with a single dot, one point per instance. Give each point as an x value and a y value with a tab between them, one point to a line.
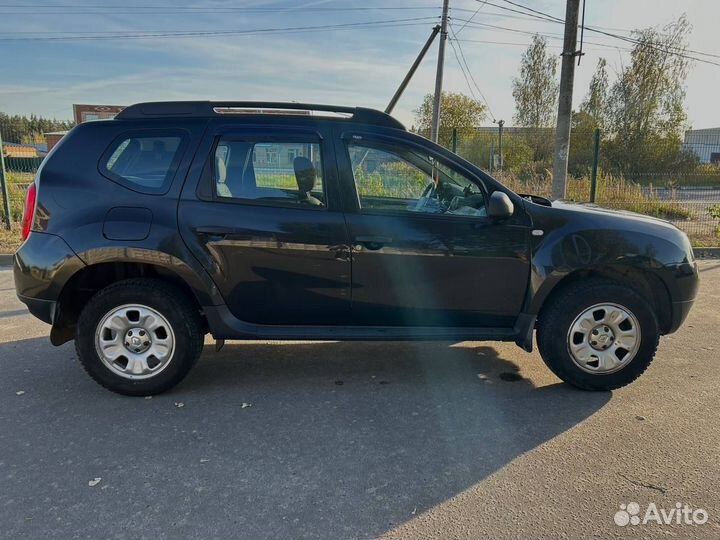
9	240
612	192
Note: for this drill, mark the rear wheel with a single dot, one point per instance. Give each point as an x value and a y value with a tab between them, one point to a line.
139	337
597	335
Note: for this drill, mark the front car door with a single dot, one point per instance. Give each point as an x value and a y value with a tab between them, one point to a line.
424	251
265	222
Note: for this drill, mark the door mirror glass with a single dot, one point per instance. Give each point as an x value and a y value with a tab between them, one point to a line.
500	206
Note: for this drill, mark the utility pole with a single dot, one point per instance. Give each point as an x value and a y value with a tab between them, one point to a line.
500	123
567	76
411	72
435	128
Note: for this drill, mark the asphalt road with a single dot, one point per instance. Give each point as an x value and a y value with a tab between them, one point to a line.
357	440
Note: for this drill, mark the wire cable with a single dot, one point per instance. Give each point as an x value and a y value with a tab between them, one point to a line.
293	29
462	54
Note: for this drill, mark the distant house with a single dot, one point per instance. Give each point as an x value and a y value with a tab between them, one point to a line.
17	150
704	143
53	137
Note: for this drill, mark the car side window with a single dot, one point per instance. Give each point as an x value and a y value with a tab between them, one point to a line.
269	172
145	162
402	179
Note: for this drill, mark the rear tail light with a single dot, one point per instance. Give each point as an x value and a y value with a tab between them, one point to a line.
29	210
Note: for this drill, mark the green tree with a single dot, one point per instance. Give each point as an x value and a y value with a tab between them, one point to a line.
457	111
29	129
596	102
645	109
535	91
581	143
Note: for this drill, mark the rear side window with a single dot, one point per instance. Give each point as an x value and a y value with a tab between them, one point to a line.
143	161
273	172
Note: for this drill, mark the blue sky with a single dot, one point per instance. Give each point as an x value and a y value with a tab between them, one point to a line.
359	66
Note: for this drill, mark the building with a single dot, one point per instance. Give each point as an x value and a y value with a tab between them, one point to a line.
52	138
704	143
17	150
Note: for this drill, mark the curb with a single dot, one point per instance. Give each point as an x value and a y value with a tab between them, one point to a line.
707	253
6	259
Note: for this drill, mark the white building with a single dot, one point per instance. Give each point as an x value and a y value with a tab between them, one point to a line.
704	143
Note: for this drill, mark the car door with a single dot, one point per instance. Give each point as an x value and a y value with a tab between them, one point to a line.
424	251
265	223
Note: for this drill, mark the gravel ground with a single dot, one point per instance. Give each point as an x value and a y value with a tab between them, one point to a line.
357	440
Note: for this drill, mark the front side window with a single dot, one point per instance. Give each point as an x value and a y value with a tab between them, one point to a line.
269	171
145	162
400	179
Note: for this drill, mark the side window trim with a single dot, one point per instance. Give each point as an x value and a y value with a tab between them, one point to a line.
145	133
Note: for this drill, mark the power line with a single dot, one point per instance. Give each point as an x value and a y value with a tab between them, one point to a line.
482	5
152	35
526	44
462	54
679	51
462	70
667	49
63	7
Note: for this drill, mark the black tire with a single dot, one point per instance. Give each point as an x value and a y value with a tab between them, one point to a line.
558	315
162	297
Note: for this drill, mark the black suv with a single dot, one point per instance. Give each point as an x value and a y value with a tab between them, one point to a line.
290	221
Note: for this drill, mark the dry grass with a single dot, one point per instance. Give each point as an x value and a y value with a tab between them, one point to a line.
9	240
612	192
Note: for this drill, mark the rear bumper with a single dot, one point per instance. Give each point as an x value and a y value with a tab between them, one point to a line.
42	266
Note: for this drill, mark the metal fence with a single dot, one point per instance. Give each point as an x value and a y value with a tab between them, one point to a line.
19	163
690	199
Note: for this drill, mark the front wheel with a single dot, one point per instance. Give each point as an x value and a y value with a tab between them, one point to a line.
597	335
139	337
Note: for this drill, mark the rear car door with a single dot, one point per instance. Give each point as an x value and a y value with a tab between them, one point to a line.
424	251
263	219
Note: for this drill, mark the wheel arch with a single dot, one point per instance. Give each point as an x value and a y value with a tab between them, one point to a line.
649	285
85	282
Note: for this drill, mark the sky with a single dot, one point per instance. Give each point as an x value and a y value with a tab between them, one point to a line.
347	62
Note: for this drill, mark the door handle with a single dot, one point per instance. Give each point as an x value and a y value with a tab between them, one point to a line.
214	233
374	239
373	242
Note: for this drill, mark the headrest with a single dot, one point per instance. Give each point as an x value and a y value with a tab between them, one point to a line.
304	174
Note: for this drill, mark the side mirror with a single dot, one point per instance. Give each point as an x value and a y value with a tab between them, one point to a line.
500	206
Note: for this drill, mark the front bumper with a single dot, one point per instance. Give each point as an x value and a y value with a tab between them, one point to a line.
683	284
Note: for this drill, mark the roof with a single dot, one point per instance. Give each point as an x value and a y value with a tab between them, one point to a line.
206	109
16	145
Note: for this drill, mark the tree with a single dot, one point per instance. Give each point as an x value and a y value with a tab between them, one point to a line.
24	129
535	92
457	111
596	102
583	128
645	110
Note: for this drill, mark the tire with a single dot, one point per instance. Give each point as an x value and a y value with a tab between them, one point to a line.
570	334
151	332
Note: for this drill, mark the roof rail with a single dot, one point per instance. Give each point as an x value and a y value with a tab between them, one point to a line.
204	109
